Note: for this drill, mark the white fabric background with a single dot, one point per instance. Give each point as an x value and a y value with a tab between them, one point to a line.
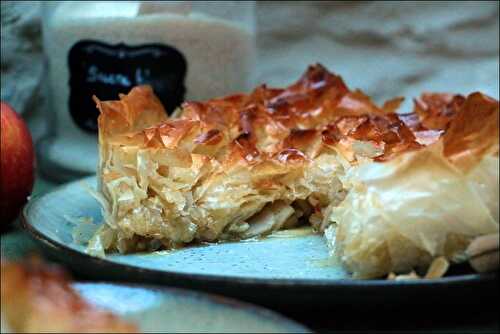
386	48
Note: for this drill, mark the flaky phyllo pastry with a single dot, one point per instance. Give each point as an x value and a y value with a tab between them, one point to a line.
390	191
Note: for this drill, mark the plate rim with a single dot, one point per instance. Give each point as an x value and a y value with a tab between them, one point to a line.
473	278
229	302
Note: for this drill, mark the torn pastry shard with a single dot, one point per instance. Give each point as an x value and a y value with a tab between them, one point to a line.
314	153
38	298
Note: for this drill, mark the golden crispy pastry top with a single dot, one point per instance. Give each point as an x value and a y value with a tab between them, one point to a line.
294	124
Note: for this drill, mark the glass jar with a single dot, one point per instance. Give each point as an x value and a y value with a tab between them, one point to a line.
187	50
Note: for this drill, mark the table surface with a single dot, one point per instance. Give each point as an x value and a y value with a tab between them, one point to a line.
17	243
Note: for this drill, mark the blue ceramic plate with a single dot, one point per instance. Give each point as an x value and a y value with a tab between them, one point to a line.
287	268
175	310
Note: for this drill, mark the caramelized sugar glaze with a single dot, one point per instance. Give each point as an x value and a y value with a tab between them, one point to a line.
271	123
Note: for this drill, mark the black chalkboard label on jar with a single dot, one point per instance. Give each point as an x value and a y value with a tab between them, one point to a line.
107	70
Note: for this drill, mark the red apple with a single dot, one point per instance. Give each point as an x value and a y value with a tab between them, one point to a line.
17	163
